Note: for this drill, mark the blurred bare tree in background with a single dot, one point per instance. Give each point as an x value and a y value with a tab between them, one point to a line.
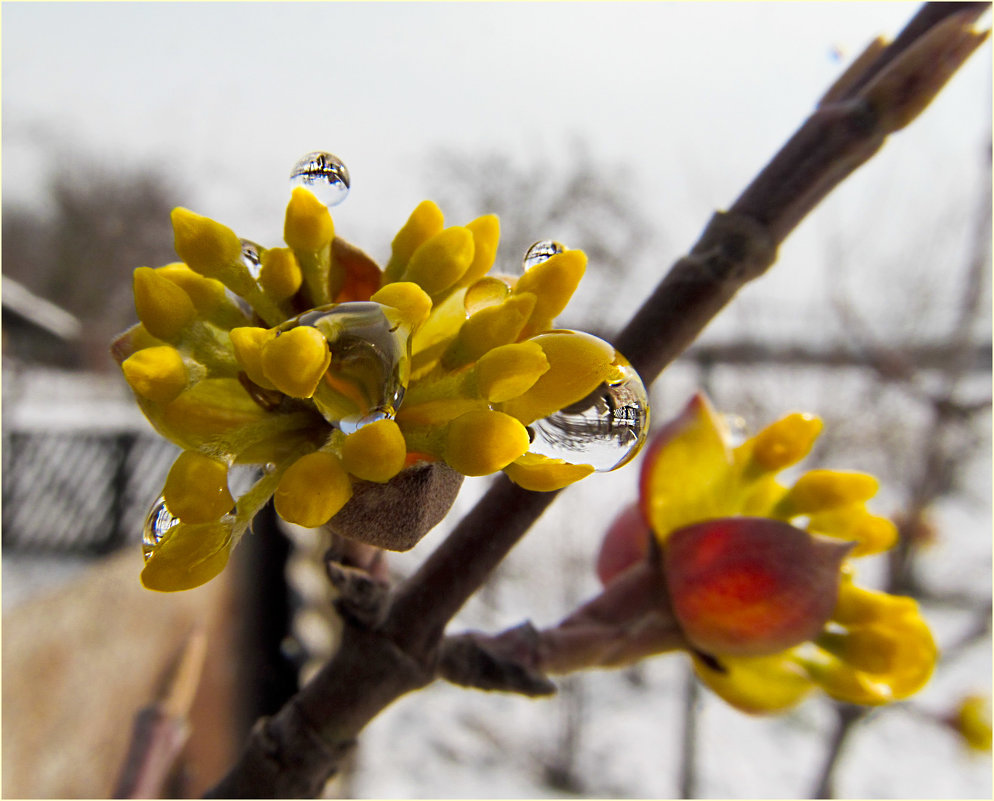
98	223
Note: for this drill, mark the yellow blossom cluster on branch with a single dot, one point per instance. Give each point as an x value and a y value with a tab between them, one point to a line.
325	370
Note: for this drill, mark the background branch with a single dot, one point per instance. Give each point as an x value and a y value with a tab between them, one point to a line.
293	753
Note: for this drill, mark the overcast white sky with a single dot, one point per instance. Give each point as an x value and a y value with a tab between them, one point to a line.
695	96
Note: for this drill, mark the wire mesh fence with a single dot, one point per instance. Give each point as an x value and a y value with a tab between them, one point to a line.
82	493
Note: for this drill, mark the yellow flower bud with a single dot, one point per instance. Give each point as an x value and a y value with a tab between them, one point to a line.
163	307
206	293
190	555
280	274
376	452
510	370
425	221
859	606
490	328
408	298
210	408
786	441
196	489
206	246
486	233
488	291
312	490
157	373
542	474
578	363
553	282
756	684
871	533
973	722
296	360
247	343
820	490
308	226
441	261
482	442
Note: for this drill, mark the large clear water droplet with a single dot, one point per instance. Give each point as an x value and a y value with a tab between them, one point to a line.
541	251
324	174
158	521
605	429
370	362
252	257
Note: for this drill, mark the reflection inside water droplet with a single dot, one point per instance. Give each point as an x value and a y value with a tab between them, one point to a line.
252	257
605	429
158	521
541	251
370	362
324	174
737	429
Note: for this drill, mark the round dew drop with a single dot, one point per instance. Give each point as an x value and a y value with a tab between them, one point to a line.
324	174
606	429
252	258
541	251
158	521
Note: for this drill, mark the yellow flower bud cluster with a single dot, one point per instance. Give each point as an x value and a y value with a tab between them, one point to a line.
876	647
247	361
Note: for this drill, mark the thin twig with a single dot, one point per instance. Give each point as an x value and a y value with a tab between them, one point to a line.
293	753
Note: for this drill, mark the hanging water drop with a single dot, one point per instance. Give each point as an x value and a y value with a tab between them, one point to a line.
541	251
736	428
158	522
370	362
605	429
324	174
252	257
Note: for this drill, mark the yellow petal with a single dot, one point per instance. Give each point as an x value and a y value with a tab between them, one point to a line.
157	373
206	246
553	282
163	307
441	261
408	298
510	370
486	234
489	328
685	472
206	293
425	221
376	452
247	343
209	409
872	534
542	474
759	684
190	555
308	226
786	441
280	273
578	363
196	489
312	490
296	360
822	490
482	442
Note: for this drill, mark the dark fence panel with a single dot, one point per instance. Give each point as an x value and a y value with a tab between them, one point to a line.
84	493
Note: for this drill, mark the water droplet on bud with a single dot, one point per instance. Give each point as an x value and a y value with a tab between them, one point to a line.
158	521
541	251
605	429
252	257
324	174
370	362
488	291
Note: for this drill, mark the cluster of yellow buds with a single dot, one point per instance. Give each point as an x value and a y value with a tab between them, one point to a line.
333	374
759	574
